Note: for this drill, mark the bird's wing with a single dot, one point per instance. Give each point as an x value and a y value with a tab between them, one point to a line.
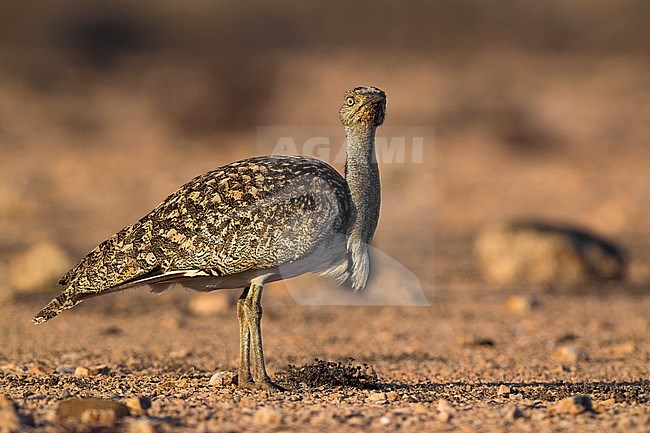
258	213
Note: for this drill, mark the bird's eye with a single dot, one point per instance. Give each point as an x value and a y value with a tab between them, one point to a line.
350	101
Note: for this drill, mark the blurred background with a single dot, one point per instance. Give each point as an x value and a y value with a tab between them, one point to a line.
540	110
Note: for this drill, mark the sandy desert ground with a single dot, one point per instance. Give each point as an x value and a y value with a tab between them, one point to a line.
506	133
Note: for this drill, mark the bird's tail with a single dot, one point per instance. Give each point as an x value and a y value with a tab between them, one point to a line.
64	301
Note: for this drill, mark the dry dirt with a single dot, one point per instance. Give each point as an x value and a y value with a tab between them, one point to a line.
568	142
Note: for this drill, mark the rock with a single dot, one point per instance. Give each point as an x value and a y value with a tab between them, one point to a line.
444	406
94	411
81	371
570	354
573	405
38	268
223	378
520	304
543	253
512	412
39	370
267	416
9	418
139	425
444	416
385	420
138	405
208	304
376	397
503	391
99	369
445	410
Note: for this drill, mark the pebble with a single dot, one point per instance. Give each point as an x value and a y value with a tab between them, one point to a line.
376	397
39	370
520	304
267	416
385	420
574	405
222	378
445	410
81	371
38	267
570	353
92	410
503	391
138	405
512	412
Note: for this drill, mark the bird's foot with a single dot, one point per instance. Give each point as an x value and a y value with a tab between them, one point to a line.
264	384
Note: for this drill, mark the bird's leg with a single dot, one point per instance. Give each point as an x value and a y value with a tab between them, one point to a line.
260	376
244	379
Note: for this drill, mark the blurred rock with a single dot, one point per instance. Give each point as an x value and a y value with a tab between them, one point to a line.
223	378
376	397
81	371
39	267
94	411
503	391
207	304
521	304
542	253
570	354
511	412
267	416
39	370
573	405
138	405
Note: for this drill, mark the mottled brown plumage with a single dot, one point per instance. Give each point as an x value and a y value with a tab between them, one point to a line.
246	223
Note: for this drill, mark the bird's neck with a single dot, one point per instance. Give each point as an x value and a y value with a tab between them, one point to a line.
362	176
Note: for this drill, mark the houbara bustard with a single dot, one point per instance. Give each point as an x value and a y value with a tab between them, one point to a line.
247	223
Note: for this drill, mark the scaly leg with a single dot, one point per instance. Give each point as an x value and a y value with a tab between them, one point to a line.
260	376
244	379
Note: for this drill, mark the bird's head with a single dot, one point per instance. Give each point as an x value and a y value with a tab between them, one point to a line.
363	105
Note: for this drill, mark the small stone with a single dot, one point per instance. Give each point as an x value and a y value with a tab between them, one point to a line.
267	416
385	420
99	369
520	304
444	406
37	268
357	420
222	378
512	412
376	397
574	405
140	425
9	417
444	416
94	411
392	396
570	353
39	370
503	391
138	405
81	371
420	408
